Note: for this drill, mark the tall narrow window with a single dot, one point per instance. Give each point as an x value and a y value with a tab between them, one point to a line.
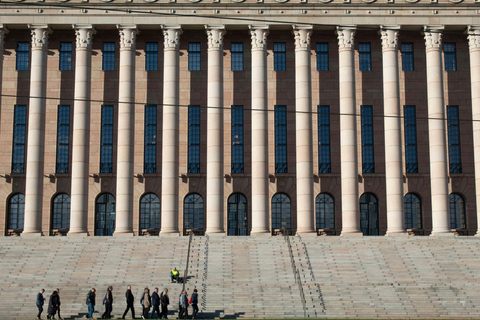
63	139
150	212
194	139
454	152
237	56
410	123
325	211
194	56
106	143
457	211
151	56
19	137
16	211
368	163
413	211
322	56
324	164
23	52
281	211
65	56
150	151
365	56
279	56
407	57
450	55
193	212
108	56
281	139
237	139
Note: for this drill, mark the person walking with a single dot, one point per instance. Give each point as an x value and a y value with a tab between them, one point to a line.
59	303
130	302
185	303
40	302
52	305
165	301
108	302
146	302
194	300
155	304
91	303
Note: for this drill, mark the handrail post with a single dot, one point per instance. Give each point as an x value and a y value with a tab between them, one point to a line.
188	259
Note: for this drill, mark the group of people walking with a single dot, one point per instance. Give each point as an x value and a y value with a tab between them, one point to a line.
53	304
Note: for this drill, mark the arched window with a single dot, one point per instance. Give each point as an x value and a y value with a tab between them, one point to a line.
193	212
150	212
16	214
457	211
281	211
105	215
61	212
412	205
237	215
369	214
325	211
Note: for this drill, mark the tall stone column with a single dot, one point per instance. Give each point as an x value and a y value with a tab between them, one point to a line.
169	217
436	132
303	125
348	132
260	195
393	139
36	131
126	127
3	32
81	130
215	174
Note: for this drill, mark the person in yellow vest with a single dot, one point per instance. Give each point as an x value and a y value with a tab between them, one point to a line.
174	275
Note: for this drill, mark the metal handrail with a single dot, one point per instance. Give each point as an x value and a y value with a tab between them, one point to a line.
185	275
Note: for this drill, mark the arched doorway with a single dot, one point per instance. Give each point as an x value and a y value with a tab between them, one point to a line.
193	212
105	215
281	212
457	211
369	214
237	215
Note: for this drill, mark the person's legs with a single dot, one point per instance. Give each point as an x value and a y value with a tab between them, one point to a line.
91	309
109	310
58	312
40	310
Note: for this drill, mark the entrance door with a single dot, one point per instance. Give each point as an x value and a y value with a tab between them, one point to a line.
105	215
237	215
369	214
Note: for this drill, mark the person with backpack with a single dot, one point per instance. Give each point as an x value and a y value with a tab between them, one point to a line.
108	302
130	300
165	301
91	303
146	302
194	302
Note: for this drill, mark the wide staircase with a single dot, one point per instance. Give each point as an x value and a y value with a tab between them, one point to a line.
250	277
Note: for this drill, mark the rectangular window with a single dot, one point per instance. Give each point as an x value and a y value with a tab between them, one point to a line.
237	56
237	139
368	163
324	164
63	139
410	123
365	56
281	139
19	138
106	143
279	56
23	54
151	56
454	152
193	139
194	56
322	56
65	63
407	57
108	56
450	55
150	150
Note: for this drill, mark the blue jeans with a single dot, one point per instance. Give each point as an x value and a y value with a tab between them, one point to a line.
157	310
91	309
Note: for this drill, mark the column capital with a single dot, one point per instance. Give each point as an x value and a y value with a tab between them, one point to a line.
259	37
171	37
345	35
39	36
215	37
128	34
433	37
389	37
83	35
302	36
474	38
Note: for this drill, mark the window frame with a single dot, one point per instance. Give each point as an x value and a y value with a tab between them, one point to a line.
194	56
454	139
65	56
150	139
279	56
194	123
281	143
151	56
22	61
368	139
19	138
63	139
410	138
106	139
408	56
108	56
450	56
324	143
323	60
236	56
364	56
238	141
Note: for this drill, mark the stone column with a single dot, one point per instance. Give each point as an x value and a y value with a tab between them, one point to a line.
215	174
126	127
436	132
3	32
393	139
348	132
169	216
81	130
260	194
36	131
303	125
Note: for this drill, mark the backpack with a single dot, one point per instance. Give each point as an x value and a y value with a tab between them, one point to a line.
87	301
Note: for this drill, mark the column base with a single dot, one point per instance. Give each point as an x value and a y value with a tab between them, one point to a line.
260	234
77	234
351	234
123	234
169	234
396	234
442	234
31	234
307	233
215	234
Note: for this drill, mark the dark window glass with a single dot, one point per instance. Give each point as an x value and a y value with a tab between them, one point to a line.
410	123
237	213
193	212
193	139
108	56
237	139
457	211
322	56
16	214
150	151
19	138
281	211
65	62
23	54
61	212
365	56
325	211
194	56
237	56
413	211
454	152
63	139
106	143
151	56
407	57
279	56
281	139
369	214
105	215
450	55
324	164
368	162
150	212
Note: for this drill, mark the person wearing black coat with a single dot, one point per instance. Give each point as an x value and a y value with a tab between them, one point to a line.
155	304
165	301
40	302
130	300
108	301
53	304
194	298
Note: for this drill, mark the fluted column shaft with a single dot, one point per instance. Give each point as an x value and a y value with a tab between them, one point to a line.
36	132
303	132
215	174
260	196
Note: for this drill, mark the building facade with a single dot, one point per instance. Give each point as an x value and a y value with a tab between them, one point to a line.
240	117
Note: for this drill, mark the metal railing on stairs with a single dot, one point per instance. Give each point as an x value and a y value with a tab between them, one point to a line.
185	275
